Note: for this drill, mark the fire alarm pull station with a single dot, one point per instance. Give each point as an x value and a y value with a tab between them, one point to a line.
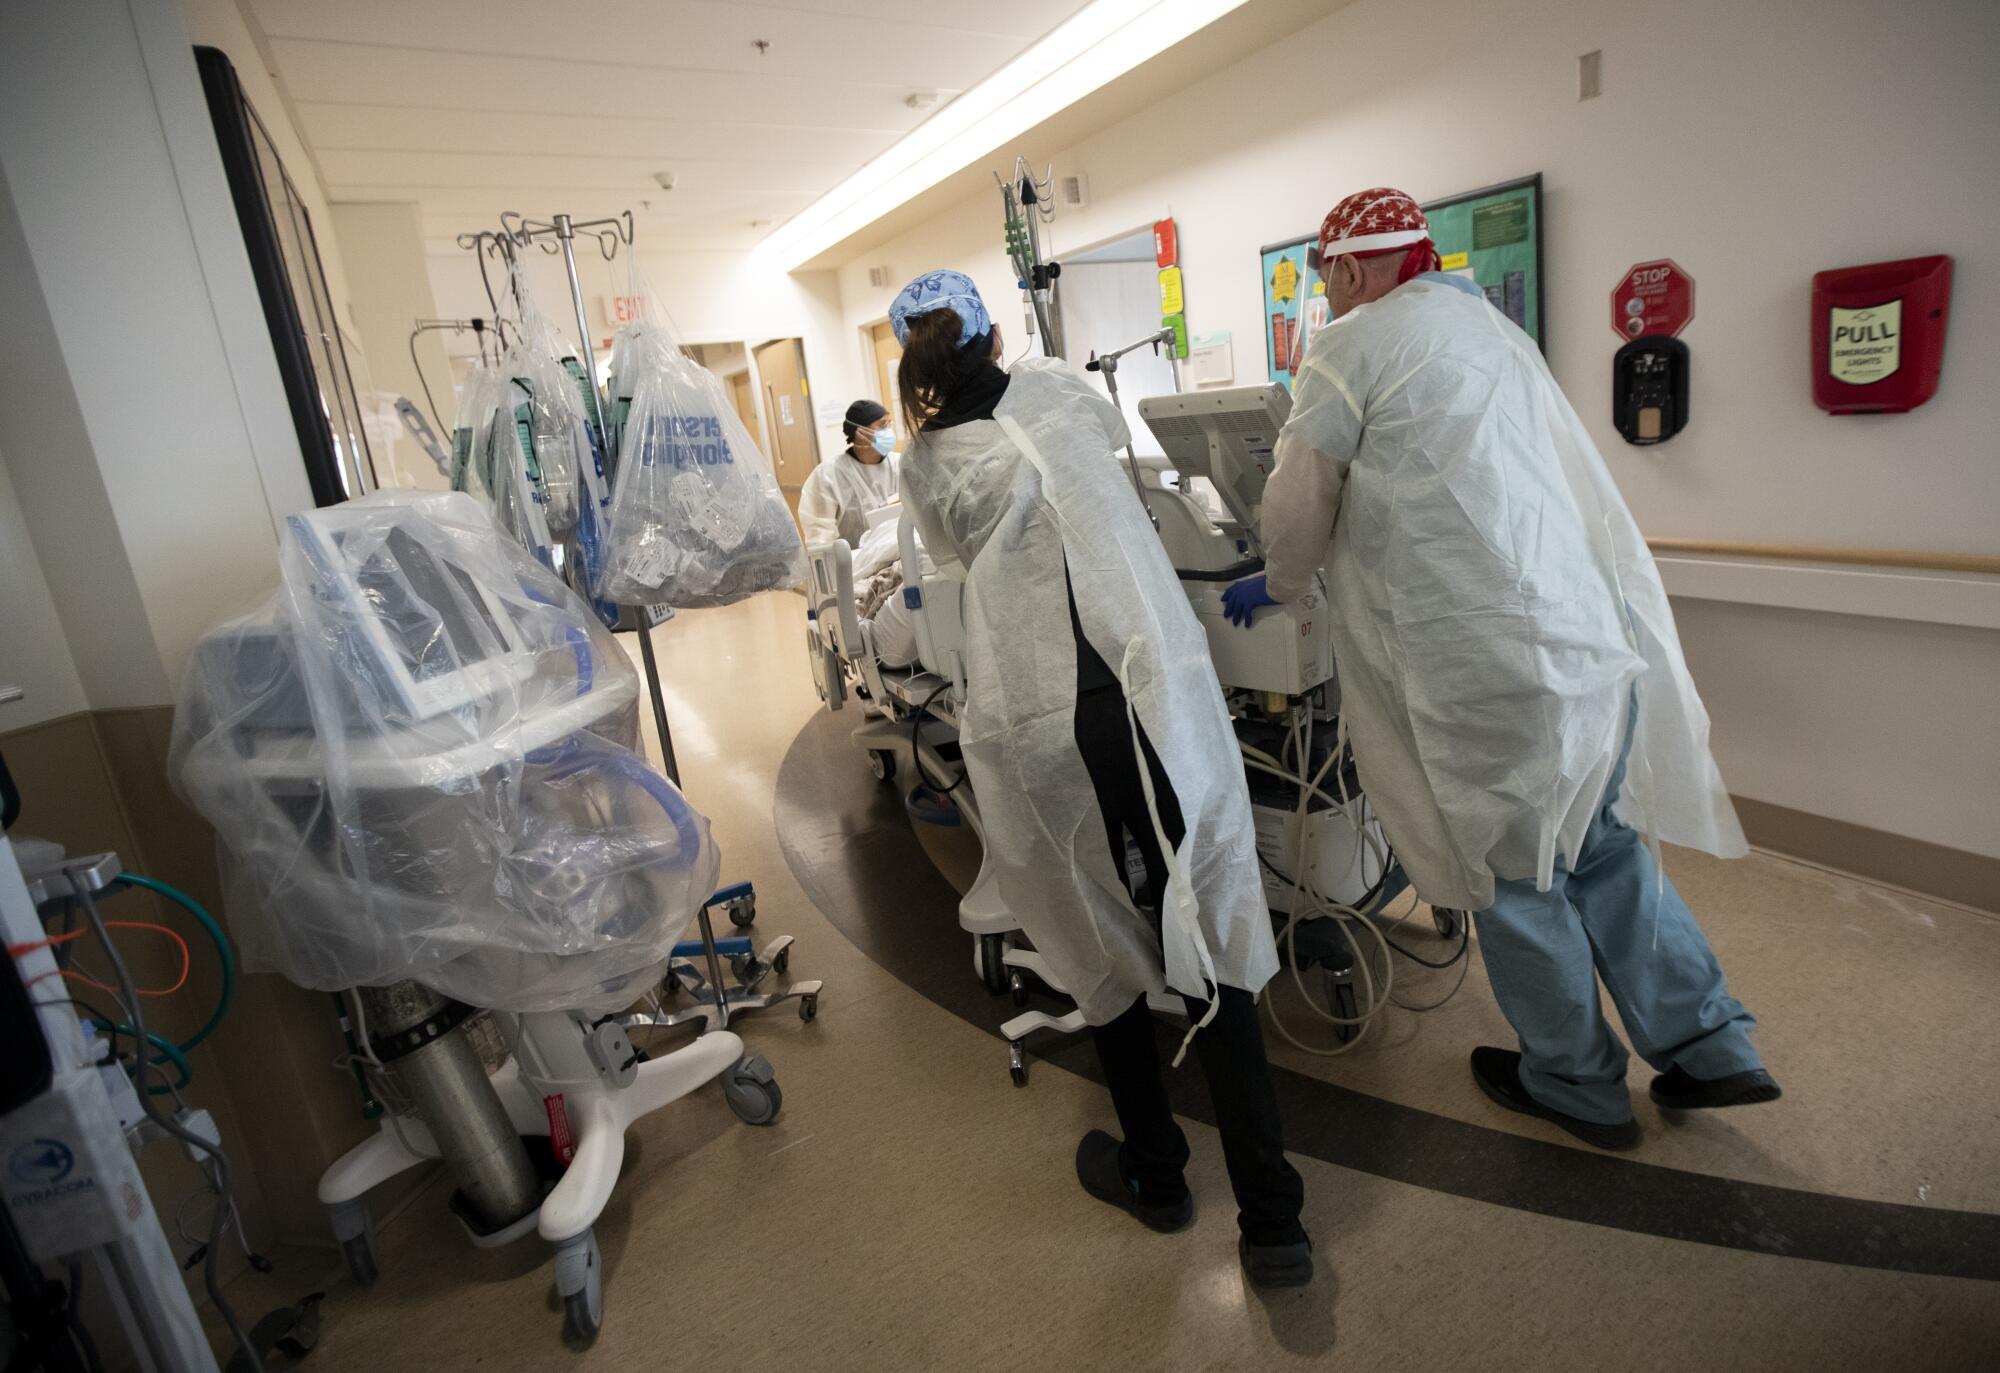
1878	335
1649	389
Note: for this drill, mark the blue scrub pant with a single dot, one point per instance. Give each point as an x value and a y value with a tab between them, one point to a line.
1610	915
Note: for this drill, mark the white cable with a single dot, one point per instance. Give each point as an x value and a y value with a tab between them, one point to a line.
1304	898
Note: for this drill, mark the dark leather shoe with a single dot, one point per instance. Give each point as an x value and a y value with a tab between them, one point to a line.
1680	1091
1098	1169
1498	1073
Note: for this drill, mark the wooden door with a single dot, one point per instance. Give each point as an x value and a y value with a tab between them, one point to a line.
888	353
781	367
745	399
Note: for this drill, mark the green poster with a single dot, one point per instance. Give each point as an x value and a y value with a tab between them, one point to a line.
1494	237
1491	236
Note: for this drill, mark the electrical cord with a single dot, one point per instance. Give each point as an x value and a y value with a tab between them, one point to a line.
1463	944
1464	965
1308	902
213	928
135	1015
916	743
1304	898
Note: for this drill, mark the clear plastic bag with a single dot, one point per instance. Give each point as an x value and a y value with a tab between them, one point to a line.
419	758
696	515
489	464
548	406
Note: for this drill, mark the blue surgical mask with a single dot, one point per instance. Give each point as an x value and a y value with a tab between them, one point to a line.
884	441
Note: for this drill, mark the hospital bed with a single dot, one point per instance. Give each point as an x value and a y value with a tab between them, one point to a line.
1202	499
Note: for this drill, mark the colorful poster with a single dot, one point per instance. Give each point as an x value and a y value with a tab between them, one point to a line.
1294	302
1492	236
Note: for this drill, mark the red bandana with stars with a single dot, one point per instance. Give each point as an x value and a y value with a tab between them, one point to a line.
1380	220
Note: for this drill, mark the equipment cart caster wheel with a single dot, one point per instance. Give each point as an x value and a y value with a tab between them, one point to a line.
882	762
360	1255
783	962
1448	922
993	962
580	1281
809	1007
1018	985
743	912
752	1091
742	965
671	983
1017	1064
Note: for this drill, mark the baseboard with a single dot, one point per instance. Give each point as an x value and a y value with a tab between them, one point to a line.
1969	879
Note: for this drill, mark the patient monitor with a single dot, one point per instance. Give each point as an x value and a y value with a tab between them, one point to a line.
1226	437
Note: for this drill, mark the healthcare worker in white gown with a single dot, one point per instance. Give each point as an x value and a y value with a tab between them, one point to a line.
841	493
1083	658
1510	674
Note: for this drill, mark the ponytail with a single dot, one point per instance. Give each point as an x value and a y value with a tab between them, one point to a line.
934	363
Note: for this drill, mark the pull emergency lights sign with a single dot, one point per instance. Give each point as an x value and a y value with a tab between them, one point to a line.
1878	335
1867	344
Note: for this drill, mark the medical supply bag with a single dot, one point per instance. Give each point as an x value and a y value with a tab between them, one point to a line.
696	515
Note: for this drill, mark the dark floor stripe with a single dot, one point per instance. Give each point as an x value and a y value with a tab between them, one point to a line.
850	845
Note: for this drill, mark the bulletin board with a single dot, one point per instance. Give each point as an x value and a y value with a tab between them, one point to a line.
1492	236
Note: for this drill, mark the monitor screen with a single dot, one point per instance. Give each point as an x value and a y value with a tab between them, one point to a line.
438	631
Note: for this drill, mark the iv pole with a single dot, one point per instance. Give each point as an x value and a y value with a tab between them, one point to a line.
609	233
1106	366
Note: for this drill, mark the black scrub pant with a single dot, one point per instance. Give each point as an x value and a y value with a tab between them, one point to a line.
1269	1191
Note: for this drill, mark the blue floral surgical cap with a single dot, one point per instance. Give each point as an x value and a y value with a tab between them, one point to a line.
945	290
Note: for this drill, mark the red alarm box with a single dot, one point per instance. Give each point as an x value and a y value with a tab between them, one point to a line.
1878	335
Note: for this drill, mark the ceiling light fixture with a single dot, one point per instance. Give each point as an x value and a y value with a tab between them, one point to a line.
1099	43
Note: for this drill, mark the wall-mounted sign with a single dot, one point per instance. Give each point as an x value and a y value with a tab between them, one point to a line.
620	311
1652	298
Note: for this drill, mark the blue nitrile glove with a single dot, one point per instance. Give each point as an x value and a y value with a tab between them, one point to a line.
1244	599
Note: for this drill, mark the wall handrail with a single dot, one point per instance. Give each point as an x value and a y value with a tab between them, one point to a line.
1981	563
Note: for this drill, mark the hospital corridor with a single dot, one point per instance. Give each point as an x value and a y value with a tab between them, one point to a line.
670	693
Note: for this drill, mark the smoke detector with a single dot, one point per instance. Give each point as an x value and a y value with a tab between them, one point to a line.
664	180
921	100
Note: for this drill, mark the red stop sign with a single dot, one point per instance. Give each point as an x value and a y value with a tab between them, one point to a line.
1652	298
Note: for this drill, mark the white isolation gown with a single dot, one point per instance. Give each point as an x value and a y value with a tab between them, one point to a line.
1495	607
1011	501
840	494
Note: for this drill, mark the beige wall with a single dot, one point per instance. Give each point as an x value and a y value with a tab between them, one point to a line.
391	292
1754	144
149	461
34	652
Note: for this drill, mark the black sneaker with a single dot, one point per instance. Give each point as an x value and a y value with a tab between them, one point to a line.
1097	1168
1276	1265
1498	1073
1680	1091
